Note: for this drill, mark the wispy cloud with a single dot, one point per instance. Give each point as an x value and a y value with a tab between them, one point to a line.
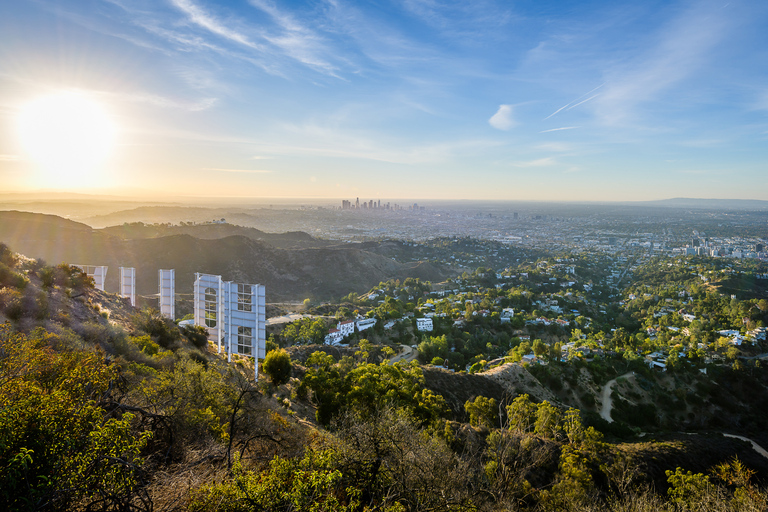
296	39
200	17
332	142
166	102
502	119
703	172
557	147
682	48
575	103
559	129
461	19
9	158
239	171
541	162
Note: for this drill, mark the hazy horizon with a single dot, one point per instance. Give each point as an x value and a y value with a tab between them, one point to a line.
528	101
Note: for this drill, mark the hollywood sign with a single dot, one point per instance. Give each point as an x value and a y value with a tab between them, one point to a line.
234	314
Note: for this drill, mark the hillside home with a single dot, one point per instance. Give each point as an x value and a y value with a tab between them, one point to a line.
334	337
365	323
347	327
424	324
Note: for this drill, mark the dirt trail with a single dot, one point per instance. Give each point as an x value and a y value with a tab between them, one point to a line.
605	411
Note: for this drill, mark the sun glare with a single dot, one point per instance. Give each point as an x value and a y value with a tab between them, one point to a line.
69	136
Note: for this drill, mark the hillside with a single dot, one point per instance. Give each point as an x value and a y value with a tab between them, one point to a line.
288	273
105	407
212	231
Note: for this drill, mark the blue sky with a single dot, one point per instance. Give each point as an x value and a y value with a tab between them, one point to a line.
541	100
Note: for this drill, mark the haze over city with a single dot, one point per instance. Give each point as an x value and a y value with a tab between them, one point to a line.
558	100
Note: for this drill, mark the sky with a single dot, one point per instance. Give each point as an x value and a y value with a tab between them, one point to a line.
499	100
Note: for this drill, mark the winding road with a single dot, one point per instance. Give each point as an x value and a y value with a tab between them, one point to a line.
605	411
759	449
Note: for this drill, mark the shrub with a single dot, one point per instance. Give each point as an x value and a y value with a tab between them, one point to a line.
197	335
277	366
162	329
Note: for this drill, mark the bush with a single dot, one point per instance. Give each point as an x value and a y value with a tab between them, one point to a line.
197	335
162	329
11	279
277	366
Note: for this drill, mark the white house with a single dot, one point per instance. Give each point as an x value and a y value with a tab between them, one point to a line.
347	327
424	324
365	323
334	337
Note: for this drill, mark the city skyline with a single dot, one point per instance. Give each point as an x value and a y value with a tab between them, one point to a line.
553	101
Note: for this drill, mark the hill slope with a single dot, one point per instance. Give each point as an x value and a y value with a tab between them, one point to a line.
288	274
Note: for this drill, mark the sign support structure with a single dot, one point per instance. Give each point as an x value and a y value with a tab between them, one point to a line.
234	314
128	284
166	280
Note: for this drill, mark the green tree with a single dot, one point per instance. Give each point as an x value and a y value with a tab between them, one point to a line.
483	412
685	487
58	447
539	348
522	414
547	420
277	365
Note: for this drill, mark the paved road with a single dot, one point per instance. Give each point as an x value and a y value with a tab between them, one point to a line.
605	411
285	319
759	449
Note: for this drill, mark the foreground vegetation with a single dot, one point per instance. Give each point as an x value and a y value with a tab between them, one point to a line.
106	408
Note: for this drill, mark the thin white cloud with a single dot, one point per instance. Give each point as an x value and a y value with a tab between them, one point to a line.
557	147
198	16
762	102
502	119
559	129
240	171
332	142
9	158
576	102
683	47
704	172
165	102
702	143
583	101
541	162
297	40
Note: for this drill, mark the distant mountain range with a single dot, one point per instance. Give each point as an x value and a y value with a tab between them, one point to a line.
292	266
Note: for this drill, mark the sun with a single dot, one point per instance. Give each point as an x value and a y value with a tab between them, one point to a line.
69	136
